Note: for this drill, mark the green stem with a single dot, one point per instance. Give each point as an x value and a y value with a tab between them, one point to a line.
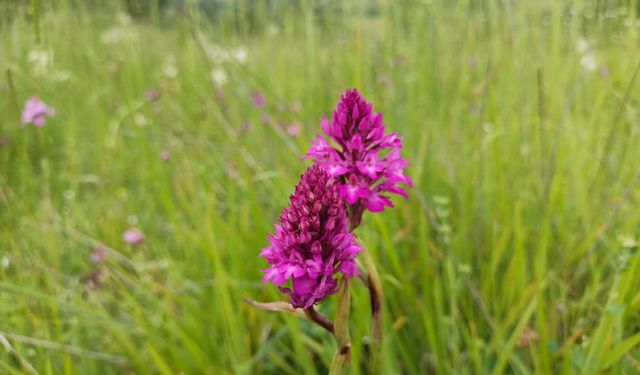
319	319
341	333
338	364
374	285
375	296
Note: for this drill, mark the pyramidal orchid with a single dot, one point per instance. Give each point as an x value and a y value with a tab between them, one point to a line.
364	157
312	244
357	166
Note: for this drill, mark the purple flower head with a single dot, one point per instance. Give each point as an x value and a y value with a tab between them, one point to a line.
312	243
219	93
133	236
35	111
293	129
152	95
165	154
258	99
94	280
98	255
365	158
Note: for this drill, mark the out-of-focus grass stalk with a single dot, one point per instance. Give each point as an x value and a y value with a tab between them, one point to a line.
12	104
35	13
625	287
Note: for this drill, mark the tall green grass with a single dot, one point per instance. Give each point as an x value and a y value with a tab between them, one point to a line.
515	253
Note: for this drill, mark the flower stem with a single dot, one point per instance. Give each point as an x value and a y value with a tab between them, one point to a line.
374	285
319	319
281	306
341	333
375	296
339	362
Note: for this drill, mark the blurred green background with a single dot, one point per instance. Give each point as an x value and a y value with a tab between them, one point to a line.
516	252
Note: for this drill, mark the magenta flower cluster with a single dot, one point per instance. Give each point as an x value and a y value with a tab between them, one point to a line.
367	160
357	171
312	243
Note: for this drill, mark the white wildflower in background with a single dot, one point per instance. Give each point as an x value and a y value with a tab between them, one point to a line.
69	194
587	55
110	36
216	53
588	62
5	262
219	76
628	242
89	179
61	75
273	30
628	23
241	54
141	120
39	57
123	18
582	46
169	69
40	61
117	35
222	54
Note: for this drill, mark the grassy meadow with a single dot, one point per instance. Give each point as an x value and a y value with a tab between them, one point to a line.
516	252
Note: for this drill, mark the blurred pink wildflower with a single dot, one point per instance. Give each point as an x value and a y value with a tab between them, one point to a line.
165	154
152	95
293	129
133	236
258	99
35	111
98	254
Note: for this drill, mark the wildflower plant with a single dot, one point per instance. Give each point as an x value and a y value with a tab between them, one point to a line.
313	250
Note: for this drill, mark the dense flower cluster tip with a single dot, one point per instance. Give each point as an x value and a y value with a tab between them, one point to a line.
312	244
35	111
367	160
